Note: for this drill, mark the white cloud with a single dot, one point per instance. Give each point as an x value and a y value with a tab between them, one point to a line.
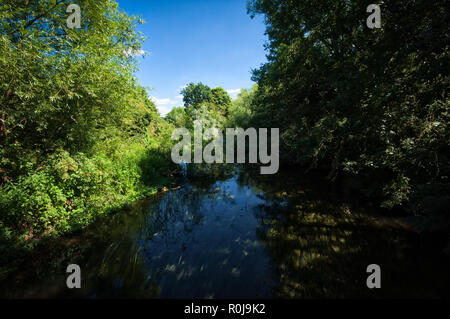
180	97
163	110
181	88
234	93
165	105
161	101
131	52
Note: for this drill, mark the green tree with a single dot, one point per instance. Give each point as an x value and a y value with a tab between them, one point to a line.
222	100
216	101
178	117
360	102
195	94
240	112
62	87
78	135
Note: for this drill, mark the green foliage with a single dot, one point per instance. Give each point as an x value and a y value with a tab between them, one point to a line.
68	191
208	114
198	96
221	100
241	108
78	136
179	117
61	85
360	102
195	94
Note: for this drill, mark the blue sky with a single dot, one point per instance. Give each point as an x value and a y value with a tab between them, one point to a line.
209	41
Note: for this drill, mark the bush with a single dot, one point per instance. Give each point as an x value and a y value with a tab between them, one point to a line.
68	191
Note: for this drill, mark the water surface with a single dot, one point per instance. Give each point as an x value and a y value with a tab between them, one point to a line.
240	235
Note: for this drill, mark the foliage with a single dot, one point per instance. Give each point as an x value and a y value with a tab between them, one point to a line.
222	100
216	101
178	117
361	102
241	108
195	94
79	136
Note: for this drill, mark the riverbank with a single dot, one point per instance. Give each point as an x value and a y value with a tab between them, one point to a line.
70	192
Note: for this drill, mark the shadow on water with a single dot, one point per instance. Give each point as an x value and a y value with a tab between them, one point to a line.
229	234
322	244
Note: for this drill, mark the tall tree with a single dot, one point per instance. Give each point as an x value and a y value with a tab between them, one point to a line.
372	103
196	94
61	87
222	100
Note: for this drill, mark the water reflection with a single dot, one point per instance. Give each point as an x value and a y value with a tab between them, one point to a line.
321	245
231	234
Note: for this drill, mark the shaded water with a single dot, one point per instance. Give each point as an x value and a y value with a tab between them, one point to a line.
238	235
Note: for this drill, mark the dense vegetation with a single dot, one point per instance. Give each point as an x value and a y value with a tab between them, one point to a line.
370	105
78	135
211	106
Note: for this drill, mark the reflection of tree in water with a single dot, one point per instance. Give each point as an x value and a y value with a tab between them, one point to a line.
169	228
321	248
121	273
132	253
206	175
124	270
111	264
113	267
184	207
181	206
200	241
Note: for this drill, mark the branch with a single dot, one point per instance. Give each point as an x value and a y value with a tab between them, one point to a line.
31	22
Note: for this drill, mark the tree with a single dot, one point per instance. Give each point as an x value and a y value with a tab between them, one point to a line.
240	112
62	87
76	128
222	100
178	117
216	101
369	103
195	94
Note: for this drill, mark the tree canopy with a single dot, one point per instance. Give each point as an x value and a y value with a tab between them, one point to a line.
369	103
200	97
76	127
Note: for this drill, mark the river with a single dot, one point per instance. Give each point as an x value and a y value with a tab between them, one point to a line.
232	233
